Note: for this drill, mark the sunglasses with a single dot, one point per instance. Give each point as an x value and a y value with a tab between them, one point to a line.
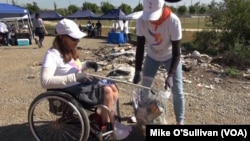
73	39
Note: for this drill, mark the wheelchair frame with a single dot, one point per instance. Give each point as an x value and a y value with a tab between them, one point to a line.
66	119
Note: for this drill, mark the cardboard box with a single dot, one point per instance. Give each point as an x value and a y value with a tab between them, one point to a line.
23	42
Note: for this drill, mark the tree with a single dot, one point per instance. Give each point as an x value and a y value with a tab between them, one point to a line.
33	8
13	2
202	9
139	7
192	9
72	9
106	6
182	10
62	11
173	9
125	8
55	6
232	19
90	6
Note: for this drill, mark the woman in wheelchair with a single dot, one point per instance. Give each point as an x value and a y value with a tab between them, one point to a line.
62	69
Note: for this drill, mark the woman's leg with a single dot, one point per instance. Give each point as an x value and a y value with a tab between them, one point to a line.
110	97
41	38
149	71
177	90
115	97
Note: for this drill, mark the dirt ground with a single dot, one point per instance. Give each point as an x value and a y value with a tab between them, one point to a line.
207	102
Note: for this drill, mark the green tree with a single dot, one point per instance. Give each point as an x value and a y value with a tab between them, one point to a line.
105	6
202	9
138	7
72	9
33	8
192	9
62	11
55	6
232	20
125	8
91	6
13	2
182	10
173	9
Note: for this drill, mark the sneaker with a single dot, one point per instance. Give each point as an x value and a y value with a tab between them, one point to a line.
122	126
121	134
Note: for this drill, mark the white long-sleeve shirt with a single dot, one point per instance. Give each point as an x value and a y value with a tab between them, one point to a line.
57	74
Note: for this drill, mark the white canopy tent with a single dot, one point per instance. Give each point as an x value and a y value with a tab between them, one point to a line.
134	15
15	18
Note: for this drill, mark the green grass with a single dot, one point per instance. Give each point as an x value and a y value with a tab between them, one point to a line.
193	23
187	23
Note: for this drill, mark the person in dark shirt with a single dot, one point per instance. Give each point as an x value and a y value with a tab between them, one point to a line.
98	29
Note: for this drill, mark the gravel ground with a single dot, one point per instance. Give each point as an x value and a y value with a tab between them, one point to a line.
207	102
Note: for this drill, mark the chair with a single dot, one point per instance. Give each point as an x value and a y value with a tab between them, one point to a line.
57	116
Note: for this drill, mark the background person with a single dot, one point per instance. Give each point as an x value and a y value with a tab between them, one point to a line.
62	69
160	31
98	26
4	34
40	30
126	31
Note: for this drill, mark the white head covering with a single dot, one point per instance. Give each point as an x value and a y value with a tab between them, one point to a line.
152	9
69	27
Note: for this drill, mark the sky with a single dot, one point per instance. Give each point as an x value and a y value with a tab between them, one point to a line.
49	4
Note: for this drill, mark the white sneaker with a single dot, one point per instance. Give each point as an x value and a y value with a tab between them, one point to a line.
121	134
122	126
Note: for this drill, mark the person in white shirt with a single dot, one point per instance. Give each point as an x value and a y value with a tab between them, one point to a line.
159	30
4	33
62	69
126	31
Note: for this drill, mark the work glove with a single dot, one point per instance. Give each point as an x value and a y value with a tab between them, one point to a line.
169	82
137	77
91	64
84	78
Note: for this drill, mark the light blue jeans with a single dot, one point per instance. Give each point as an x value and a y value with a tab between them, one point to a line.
149	71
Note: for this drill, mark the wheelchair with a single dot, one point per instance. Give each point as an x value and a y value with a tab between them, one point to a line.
58	116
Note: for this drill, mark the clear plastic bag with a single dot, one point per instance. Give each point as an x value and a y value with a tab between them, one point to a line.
150	108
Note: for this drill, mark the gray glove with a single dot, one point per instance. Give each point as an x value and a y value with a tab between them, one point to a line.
83	77
169	82
137	77
91	64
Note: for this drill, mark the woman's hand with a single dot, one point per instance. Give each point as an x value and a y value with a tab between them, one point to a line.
83	77
169	82
92	64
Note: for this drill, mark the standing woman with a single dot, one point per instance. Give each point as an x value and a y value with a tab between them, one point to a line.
159	31
40	30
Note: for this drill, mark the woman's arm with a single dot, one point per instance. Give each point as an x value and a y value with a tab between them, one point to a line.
176	54
48	80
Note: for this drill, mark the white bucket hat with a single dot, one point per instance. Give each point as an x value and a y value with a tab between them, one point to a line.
152	9
69	27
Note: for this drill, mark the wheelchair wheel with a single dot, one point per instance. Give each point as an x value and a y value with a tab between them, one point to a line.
57	116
